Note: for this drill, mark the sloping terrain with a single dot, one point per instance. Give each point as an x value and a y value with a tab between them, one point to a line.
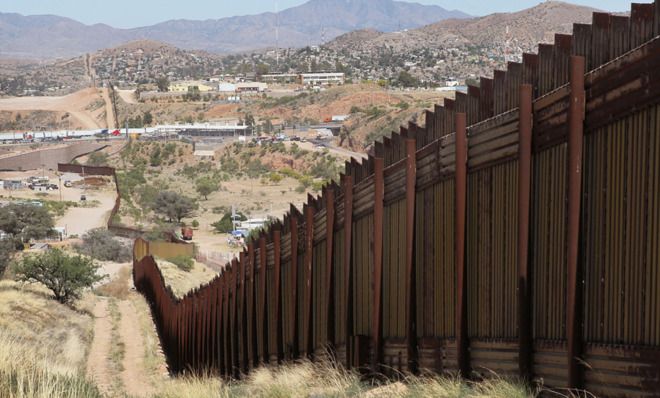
84	109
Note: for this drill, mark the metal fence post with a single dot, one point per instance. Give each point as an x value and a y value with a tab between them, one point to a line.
329	250
261	293
307	294
250	307
575	137
277	327
379	196
524	197
294	281
411	194
461	204
348	242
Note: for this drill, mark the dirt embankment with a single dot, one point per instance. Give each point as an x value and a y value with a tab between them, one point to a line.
84	109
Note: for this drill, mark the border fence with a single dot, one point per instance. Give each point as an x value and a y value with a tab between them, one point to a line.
518	232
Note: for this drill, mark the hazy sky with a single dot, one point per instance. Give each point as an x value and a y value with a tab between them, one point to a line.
133	13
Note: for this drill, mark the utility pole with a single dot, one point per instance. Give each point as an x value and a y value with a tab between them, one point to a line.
277	34
59	176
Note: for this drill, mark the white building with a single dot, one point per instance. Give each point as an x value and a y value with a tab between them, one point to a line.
321	79
251	87
227	87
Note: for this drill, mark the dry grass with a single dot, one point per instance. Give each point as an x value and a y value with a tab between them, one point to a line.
181	281
324	379
29	312
193	387
117	287
25	373
43	345
154	359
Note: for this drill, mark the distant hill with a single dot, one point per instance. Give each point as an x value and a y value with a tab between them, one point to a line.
434	53
522	30
308	24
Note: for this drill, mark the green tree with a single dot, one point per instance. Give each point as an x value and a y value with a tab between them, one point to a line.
148	118
102	245
66	276
174	206
97	159
163	84
249	120
225	225
26	222
405	79
155	158
262	69
205	186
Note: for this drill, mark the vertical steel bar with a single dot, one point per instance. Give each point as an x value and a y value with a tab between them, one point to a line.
329	250
575	138
294	280
242	346
263	336
251	324
379	195
524	195
411	181
307	295
277	327
461	198
232	322
348	236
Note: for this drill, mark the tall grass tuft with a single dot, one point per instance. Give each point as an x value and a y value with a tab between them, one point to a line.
25	374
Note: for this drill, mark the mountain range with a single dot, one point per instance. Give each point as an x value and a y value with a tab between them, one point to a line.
520	31
314	22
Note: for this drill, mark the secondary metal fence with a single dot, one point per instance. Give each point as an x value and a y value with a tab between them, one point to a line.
517	232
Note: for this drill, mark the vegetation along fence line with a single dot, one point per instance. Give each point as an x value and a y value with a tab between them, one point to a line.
517	232
114	227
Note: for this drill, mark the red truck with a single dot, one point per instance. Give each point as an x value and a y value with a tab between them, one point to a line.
187	233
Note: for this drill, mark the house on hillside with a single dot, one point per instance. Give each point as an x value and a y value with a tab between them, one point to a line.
321	79
251	87
185	87
225	87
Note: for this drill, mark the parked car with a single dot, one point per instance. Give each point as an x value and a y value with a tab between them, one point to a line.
83	198
68	184
52	187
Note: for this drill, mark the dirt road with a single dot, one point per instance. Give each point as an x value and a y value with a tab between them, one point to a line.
79	220
81	106
128	96
97	364
109	109
134	377
125	358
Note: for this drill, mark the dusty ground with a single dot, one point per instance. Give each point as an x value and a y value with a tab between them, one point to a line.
77	220
128	96
81	105
125	358
97	364
109	111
